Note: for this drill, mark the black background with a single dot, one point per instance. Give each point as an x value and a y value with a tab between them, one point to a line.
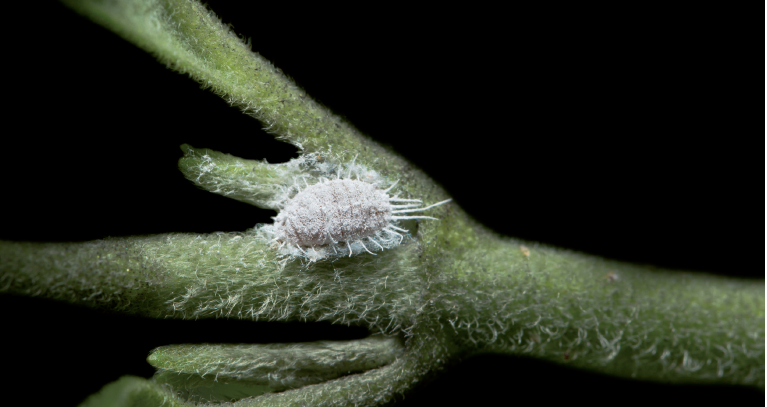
632	132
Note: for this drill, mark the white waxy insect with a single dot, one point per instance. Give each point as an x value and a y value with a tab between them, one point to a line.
344	214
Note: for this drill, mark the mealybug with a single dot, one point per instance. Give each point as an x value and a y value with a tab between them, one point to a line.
343	216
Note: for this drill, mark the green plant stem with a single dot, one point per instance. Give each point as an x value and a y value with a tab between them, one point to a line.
107	274
561	306
189	39
605	316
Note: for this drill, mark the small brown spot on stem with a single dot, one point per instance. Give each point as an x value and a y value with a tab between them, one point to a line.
611	277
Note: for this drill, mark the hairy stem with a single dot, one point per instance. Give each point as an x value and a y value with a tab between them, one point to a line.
190	39
606	316
109	274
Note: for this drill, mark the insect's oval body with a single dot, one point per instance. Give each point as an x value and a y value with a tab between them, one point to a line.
333	211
